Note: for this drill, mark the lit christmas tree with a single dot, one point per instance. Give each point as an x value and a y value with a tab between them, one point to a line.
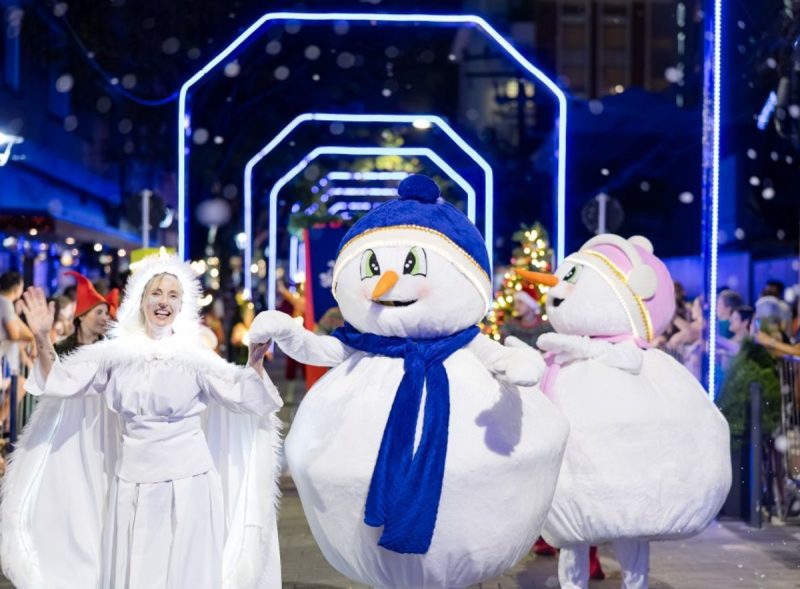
532	253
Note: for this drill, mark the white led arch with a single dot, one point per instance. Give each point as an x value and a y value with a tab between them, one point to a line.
344	151
372	19
302	119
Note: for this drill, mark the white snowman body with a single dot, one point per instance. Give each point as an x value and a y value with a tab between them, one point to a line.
504	443
503	453
648	453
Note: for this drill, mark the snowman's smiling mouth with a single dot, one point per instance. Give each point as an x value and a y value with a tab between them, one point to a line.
395	303
556	301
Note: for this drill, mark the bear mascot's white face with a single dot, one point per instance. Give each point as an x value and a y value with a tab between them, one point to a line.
583	303
406	291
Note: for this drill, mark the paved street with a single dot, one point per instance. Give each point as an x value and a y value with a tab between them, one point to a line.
726	555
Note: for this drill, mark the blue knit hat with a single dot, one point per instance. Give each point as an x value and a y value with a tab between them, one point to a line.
418	217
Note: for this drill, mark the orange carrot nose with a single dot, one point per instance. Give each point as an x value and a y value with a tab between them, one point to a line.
385	284
538	277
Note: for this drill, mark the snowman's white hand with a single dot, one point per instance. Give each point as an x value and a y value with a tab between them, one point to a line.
566	347
272	325
624	355
521	364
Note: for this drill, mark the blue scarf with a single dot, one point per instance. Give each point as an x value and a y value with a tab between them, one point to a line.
406	486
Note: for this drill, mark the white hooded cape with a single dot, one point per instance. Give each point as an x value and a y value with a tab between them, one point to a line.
55	492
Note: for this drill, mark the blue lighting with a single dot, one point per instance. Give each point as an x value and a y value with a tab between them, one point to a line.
342	151
350	206
7	143
372	118
361	191
363	176
713	91
371	19
766	111
297	259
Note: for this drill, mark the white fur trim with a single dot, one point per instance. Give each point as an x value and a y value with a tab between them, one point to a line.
417	236
20	560
139	349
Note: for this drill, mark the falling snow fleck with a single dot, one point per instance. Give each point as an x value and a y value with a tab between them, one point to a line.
64	83
103	104
232	69
171	46
200	136
312	52
345	60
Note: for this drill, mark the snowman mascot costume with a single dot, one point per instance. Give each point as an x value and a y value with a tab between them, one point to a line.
648	453
419	461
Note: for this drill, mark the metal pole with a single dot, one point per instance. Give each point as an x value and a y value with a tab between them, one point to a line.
12	411
602	201
755	455
146	218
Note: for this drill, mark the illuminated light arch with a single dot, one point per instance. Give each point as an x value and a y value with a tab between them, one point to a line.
304	118
184	119
296	265
711	136
344	151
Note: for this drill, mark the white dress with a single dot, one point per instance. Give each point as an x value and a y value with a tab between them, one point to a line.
170	441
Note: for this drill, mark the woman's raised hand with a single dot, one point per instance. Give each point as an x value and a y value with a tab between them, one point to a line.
39	315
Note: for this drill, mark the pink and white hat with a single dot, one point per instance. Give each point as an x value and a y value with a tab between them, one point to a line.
640	281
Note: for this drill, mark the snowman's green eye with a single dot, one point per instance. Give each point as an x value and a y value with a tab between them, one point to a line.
416	262
369	265
572	274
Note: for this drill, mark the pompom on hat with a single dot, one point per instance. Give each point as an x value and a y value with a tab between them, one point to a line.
88	297
419	217
640	281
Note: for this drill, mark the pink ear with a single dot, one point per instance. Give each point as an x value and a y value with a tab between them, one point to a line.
642	242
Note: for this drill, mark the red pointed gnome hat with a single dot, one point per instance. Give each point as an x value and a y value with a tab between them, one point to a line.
89	298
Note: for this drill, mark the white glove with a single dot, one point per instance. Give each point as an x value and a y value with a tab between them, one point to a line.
520	364
566	348
273	325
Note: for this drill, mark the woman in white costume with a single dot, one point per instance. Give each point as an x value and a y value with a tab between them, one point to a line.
149	462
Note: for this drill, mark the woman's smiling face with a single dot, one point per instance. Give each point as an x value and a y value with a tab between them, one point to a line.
161	301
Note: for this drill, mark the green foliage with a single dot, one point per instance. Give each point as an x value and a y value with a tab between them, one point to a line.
753	363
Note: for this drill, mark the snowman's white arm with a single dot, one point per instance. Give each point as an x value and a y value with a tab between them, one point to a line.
309	348
489	352
515	362
298	342
625	355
